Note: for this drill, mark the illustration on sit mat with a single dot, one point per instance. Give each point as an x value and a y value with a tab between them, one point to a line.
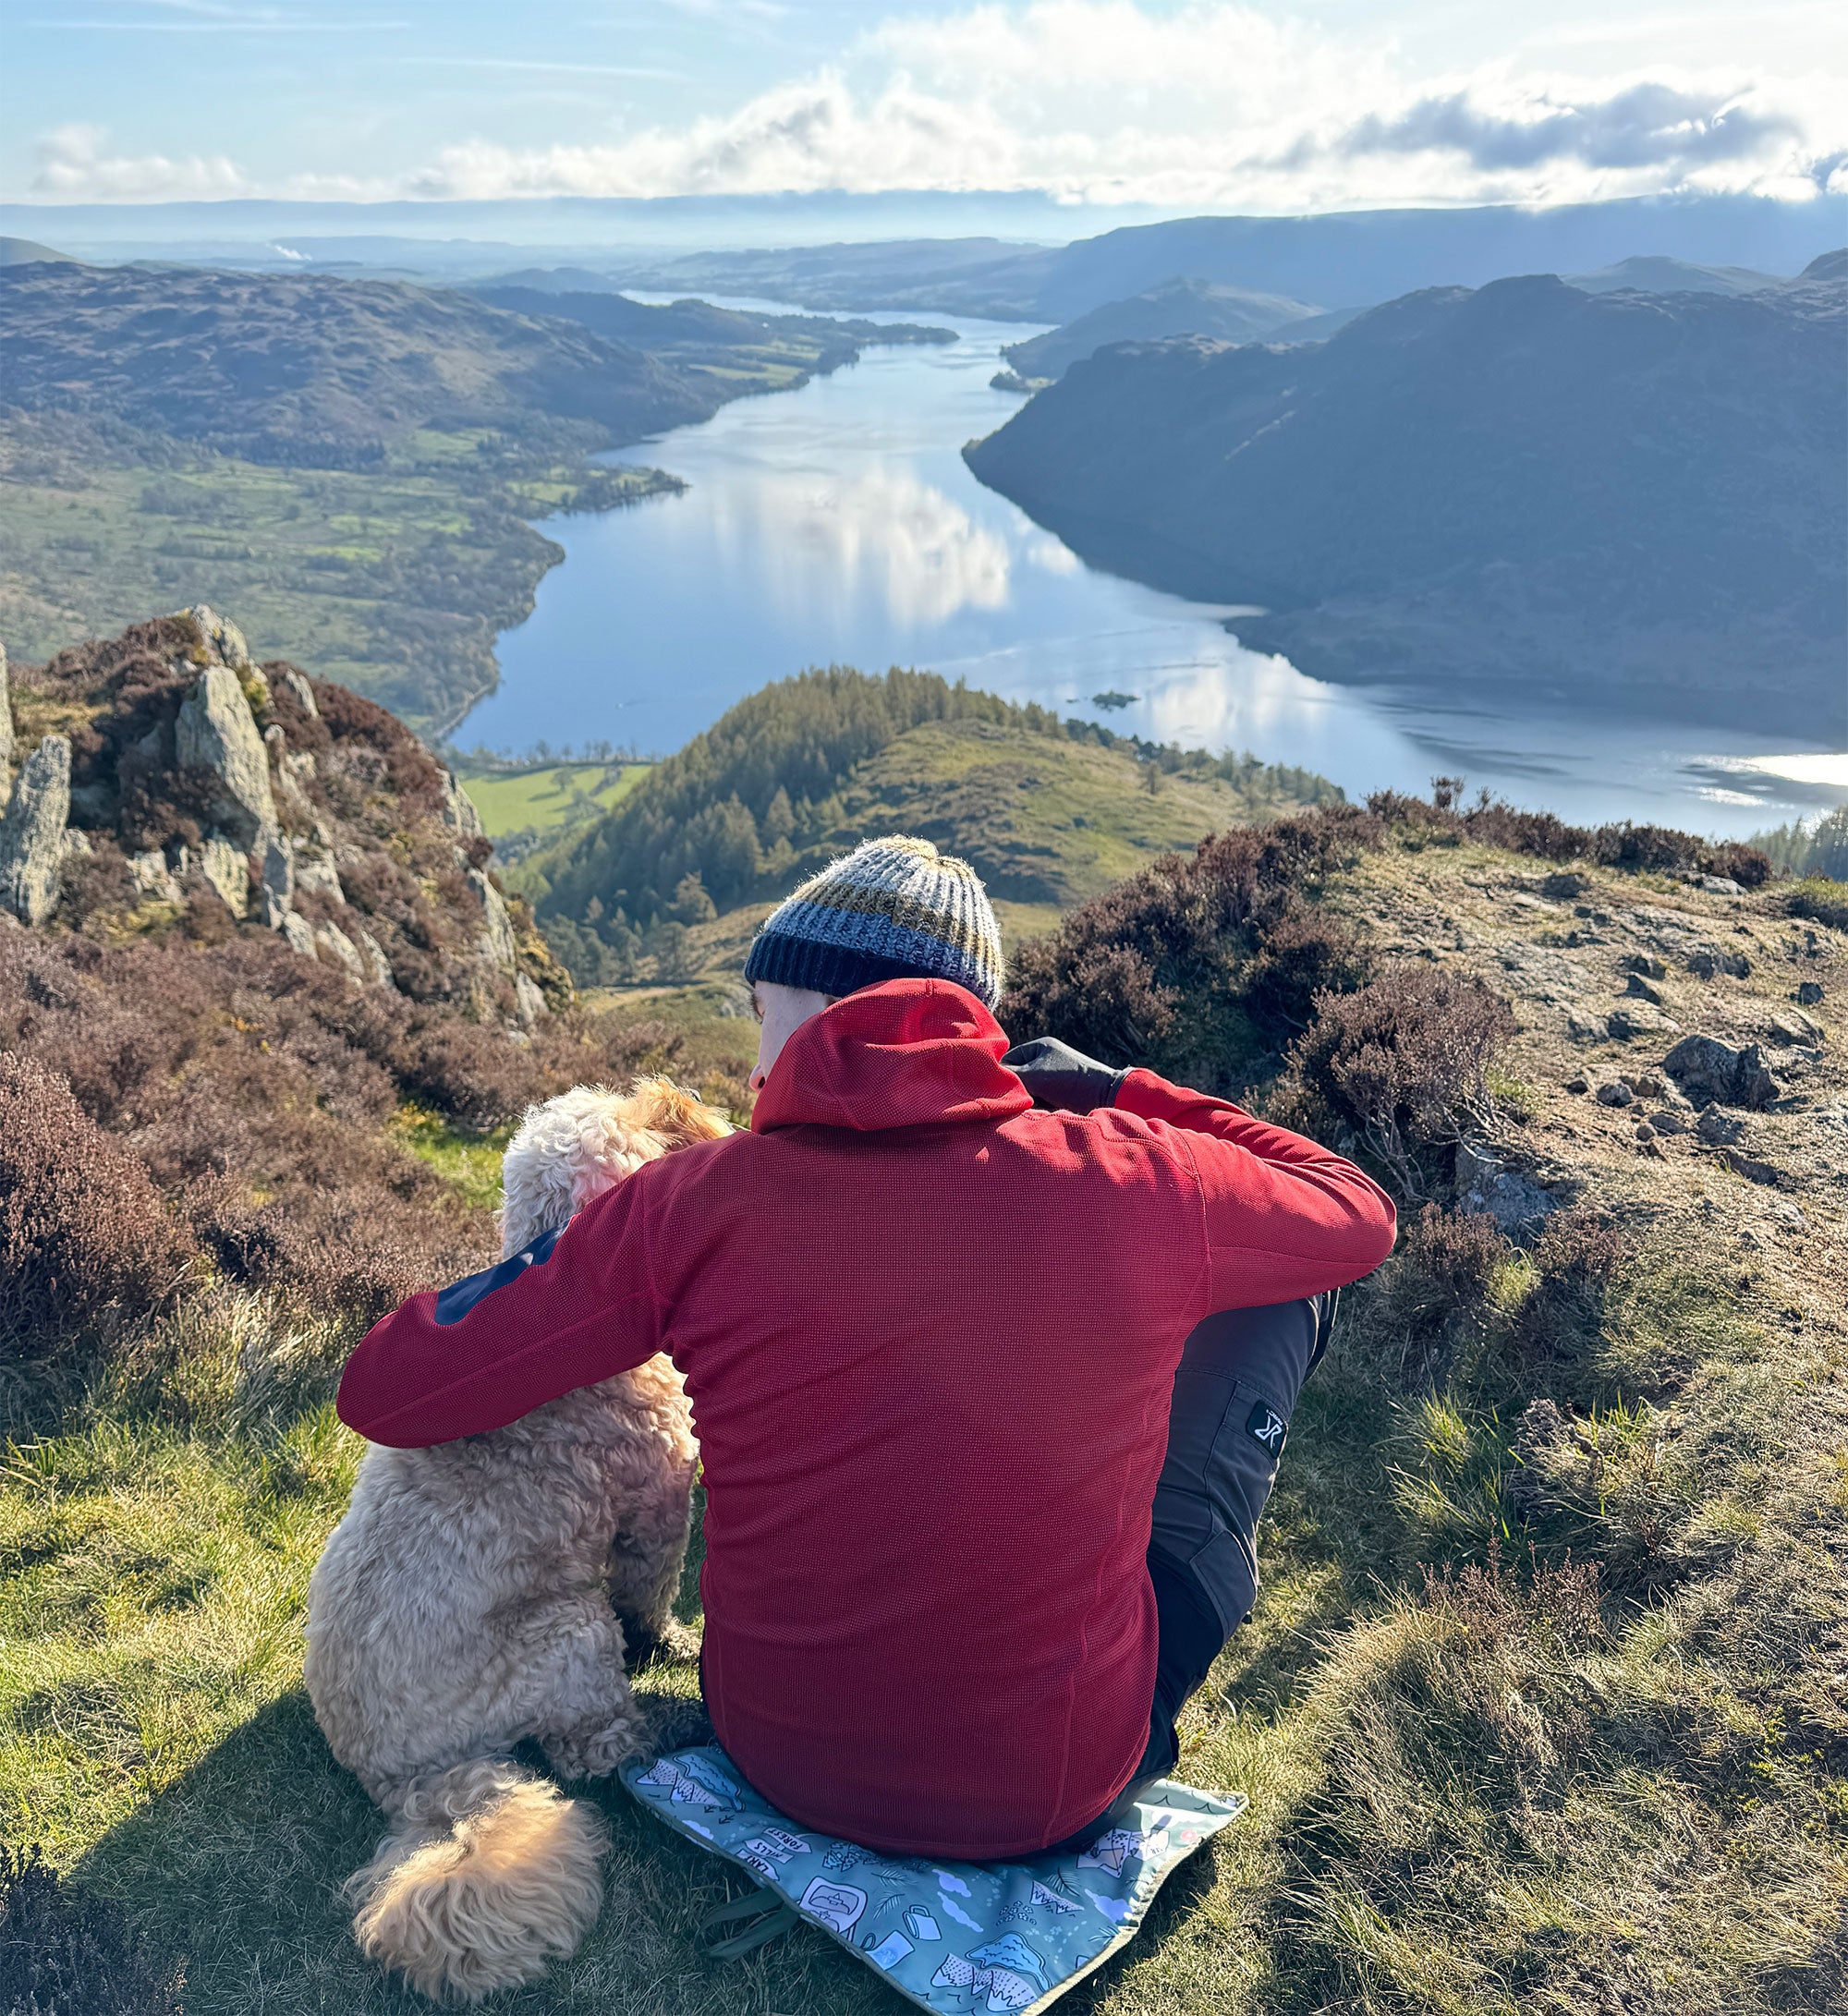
690	1780
1006	1973
1121	1846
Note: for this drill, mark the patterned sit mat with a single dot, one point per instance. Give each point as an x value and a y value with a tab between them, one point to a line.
948	1935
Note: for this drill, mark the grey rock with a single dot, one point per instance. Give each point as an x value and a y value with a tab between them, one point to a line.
6	732
226	638
215	731
1645	989
298	931
1485	1184
1718	1128
1707	1070
1808	993
1671	1121
316	872
1645	962
497	927
1722	885
530	1002
153	878
458	808
1704	961
302	694
1564	886
380	967
1615	1093
32	835
279	869
1582	1028
224	867
1628	1022
330	939
1794	1027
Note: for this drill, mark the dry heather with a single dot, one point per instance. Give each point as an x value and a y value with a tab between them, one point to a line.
1541	1709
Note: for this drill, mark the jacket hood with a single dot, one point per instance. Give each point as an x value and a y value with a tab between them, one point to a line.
907	1054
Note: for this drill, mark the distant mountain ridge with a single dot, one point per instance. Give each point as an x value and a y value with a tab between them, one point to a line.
1179	306
1628	495
1342	257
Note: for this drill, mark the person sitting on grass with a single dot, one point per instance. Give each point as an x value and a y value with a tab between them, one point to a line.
991	1353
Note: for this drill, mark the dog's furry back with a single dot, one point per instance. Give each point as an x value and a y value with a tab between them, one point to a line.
468	1601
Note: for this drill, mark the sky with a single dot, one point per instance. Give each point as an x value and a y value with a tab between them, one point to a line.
1187	105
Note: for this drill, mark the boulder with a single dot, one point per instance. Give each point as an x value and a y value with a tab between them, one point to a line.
279	871
458	808
497	927
215	731
1485	1184
1792	1027
530	1002
1709	1071
226	868
1645	989
1722	885
33	841
226	638
1704	961
301	693
317	873
153	878
1616	1093
330	939
375	958
1628	1022
298	930
1808	993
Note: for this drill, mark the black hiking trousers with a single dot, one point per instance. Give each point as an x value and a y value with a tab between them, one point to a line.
1234	1391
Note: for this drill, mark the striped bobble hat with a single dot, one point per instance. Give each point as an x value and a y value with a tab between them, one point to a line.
892	909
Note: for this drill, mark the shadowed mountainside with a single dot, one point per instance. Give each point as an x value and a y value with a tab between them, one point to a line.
1631	497
1177	308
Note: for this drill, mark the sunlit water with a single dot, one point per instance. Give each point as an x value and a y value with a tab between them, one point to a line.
838	524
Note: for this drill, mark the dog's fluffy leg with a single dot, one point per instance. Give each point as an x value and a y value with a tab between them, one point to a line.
488	1874
591	1720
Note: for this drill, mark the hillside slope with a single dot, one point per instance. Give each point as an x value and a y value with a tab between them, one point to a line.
289	369
1178	308
1539	1710
1048	810
1629	498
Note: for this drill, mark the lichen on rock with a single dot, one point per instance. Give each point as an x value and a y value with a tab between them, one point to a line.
214	730
33	841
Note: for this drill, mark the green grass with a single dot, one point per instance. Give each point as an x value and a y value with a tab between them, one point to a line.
471	1163
541	799
1609	1775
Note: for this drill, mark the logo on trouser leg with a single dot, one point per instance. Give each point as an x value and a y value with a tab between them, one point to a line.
1267	1427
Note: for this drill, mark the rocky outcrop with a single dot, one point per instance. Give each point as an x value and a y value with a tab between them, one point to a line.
1709	1071
458	808
34	843
215	731
226	638
497	927
6	732
227	872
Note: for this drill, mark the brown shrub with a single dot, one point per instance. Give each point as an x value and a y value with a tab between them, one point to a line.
1167	968
411	772
83	1235
1576	1259
1404	1064
1430	1294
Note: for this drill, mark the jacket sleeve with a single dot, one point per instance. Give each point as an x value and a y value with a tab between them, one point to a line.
575	1307
1284	1216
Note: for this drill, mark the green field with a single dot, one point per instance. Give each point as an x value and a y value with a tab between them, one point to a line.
394	581
543	800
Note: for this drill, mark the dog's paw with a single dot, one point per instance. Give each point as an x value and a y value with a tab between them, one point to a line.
672	1641
676	1725
595	1753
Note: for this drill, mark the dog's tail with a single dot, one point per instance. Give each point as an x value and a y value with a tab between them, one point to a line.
488	1874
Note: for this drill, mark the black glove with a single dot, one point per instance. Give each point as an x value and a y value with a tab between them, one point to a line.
1063	1078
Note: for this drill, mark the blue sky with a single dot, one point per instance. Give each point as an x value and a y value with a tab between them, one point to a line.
1183	103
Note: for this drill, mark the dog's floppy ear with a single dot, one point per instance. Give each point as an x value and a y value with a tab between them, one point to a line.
678	1117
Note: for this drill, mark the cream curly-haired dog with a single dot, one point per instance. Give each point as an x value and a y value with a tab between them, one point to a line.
472	1598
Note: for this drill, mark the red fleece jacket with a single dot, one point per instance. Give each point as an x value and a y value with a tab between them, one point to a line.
929	1335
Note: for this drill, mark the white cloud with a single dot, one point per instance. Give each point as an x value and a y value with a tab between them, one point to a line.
73	167
1214	105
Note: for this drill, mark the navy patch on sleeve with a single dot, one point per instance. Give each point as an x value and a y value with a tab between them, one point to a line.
1267	1427
455	1301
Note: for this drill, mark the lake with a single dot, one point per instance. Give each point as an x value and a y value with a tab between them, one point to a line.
839	524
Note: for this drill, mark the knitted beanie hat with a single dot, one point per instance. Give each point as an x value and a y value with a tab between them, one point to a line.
892	909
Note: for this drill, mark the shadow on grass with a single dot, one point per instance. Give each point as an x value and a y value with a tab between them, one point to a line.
237	1868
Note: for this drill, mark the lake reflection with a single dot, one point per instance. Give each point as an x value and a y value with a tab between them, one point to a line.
840	524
